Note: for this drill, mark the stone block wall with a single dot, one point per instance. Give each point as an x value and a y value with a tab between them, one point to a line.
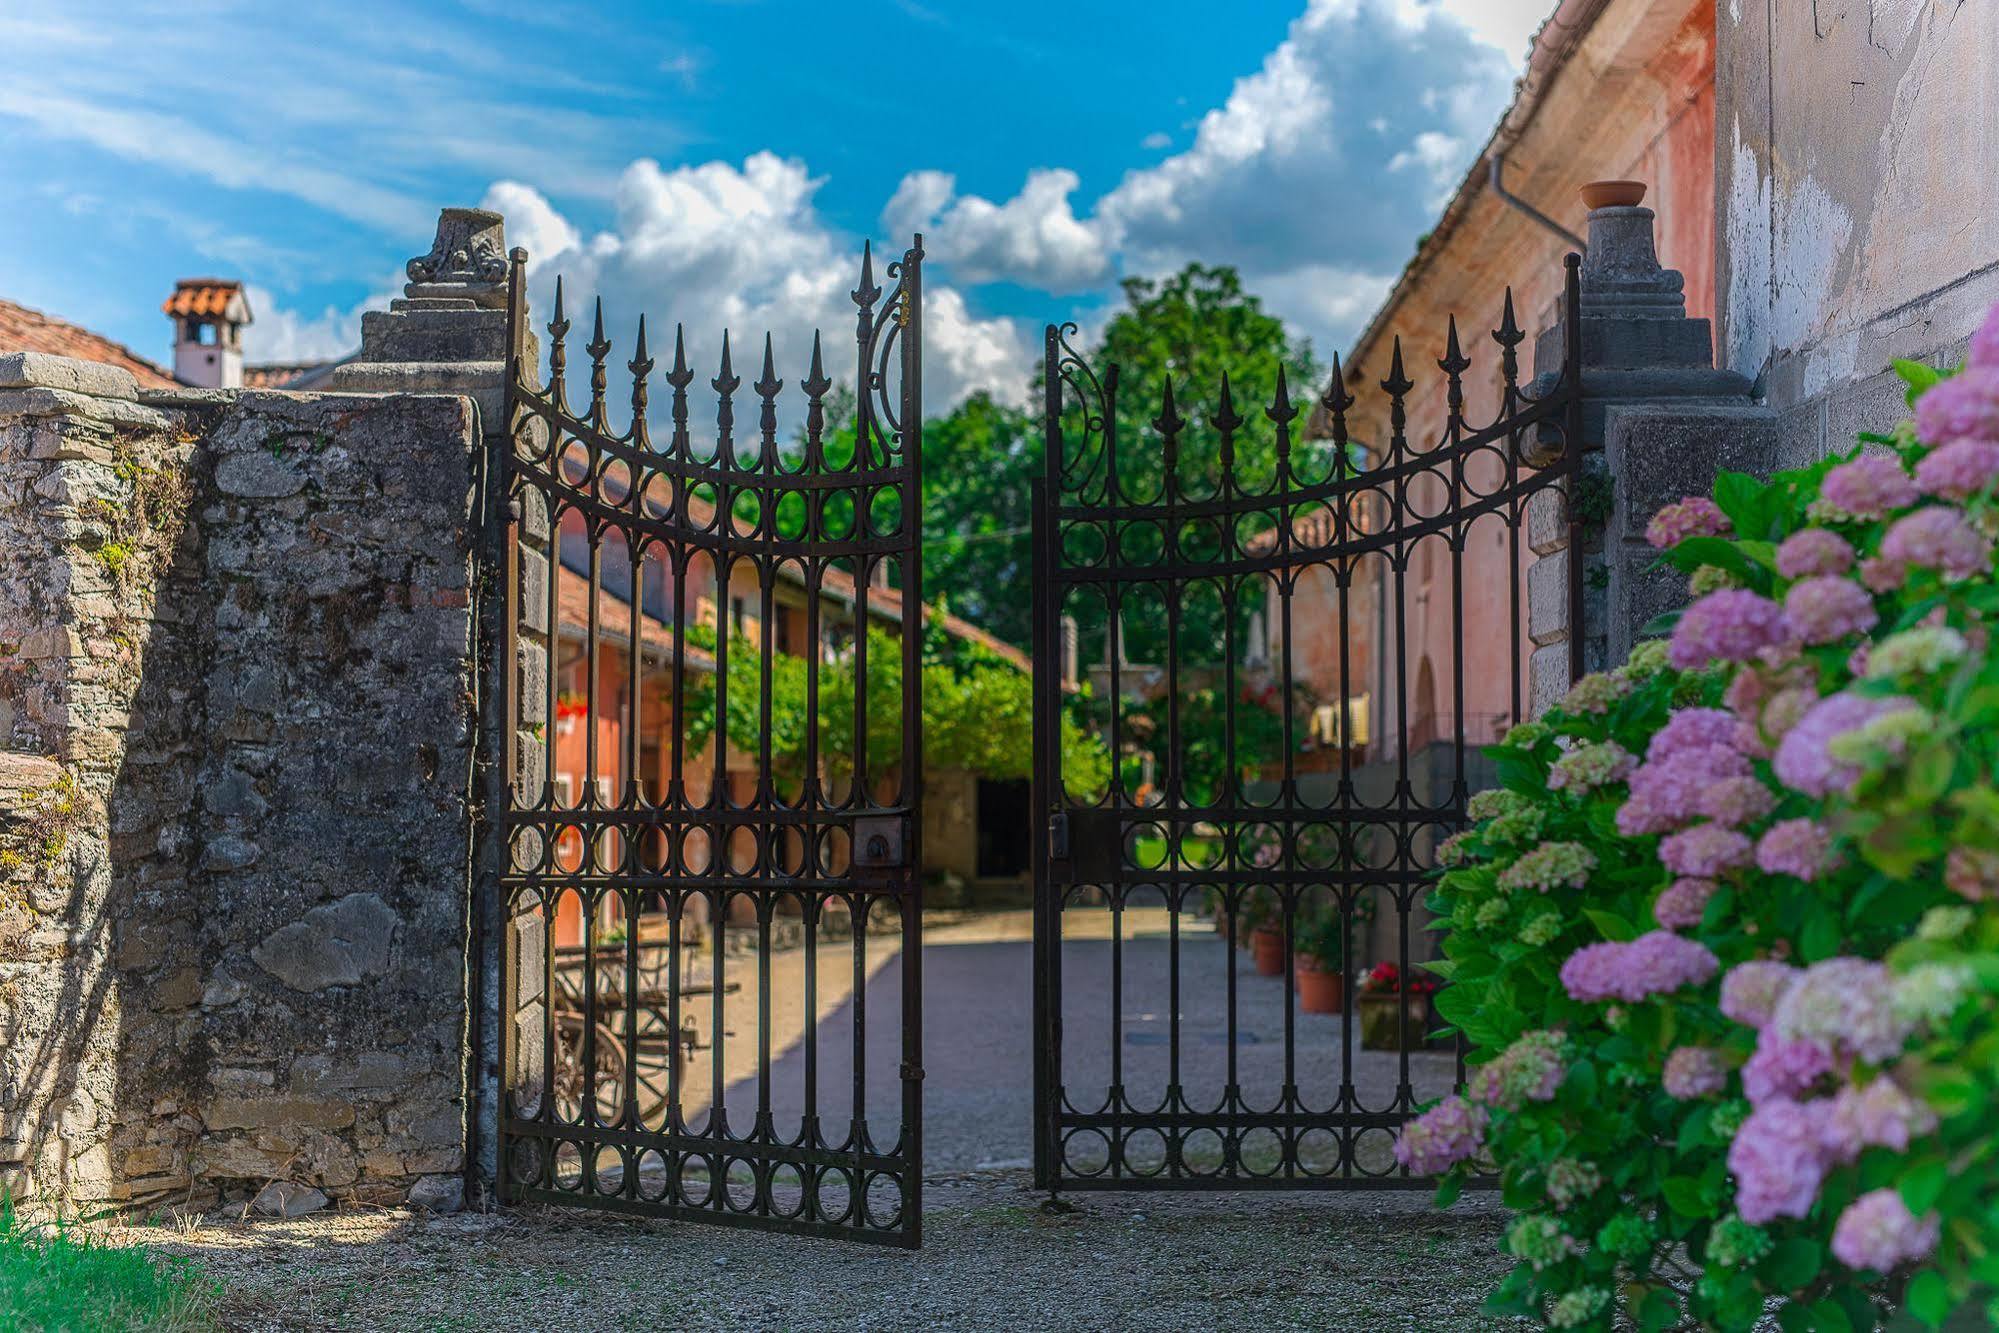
236	726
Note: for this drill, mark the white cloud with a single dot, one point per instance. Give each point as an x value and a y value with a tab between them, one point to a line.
1313	177
1440	157
281	336
1033	238
1156	140
715	246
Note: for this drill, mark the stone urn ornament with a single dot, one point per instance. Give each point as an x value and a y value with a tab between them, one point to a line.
467	260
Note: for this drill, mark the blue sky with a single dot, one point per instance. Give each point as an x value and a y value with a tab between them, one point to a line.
718	161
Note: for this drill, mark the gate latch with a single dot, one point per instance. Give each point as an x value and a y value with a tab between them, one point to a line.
1058	836
881	842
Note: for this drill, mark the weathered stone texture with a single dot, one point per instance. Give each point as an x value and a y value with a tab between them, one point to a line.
235	669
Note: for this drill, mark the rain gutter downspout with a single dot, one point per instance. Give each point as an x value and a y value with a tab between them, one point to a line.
1495	168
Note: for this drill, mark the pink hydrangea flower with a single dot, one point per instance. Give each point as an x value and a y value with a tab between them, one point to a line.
1845	1005
1878	1231
1694	1071
1529	1070
1783	1069
1448	1133
1804	762
1655	963
1786	708
1681	904
1938	538
1693	729
1736	801
1867	487
1879	1115
1796	847
1826	608
1777	1163
1695	516
1959	470
1814	552
1734	624
1751	990
1666	792
1881	574
1963	407
1705	851
1985	343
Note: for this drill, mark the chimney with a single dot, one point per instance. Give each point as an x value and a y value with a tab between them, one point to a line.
208	315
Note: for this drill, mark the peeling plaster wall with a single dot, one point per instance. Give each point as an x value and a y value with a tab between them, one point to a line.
245	960
1856	198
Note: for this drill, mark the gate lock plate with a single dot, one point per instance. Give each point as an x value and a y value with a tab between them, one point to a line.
881	842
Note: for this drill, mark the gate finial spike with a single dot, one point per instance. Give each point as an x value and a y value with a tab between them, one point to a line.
1280	409
1226	420
1169	420
597	349
768	383
1336	398
1454	361
1509	337
1508	333
680	376
558	355
816	384
727	381
1397	383
865	294
641	366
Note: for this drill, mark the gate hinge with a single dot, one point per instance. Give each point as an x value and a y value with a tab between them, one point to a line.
911	1072
1058	836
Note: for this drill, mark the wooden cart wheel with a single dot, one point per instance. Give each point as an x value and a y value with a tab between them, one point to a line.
569	1080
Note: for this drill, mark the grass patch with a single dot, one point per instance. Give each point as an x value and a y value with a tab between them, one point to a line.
53	1278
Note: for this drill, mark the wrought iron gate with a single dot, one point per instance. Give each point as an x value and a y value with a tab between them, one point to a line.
711	673
1240	738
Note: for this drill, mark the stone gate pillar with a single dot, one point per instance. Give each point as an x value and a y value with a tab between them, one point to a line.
1659	421
448	333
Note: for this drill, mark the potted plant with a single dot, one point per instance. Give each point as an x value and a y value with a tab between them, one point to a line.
1319	961
1265	919
1382	994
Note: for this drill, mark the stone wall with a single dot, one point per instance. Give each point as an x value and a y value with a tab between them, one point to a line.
237	724
1857	208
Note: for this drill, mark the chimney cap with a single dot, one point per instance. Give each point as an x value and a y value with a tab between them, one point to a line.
208	298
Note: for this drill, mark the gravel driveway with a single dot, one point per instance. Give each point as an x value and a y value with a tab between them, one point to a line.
992	1259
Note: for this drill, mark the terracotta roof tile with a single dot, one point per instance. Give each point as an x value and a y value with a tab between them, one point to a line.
202	296
277	375
25	330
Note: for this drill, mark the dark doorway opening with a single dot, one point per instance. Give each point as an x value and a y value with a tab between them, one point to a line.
1004	809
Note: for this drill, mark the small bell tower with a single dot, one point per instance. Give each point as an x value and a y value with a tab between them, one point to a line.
208	315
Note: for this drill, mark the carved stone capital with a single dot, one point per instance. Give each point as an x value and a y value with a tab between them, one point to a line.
467	260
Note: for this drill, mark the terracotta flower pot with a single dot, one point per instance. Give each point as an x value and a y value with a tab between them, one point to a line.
1320	989
1613	194
1266	947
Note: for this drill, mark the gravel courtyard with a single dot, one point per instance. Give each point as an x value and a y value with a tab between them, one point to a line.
993	1258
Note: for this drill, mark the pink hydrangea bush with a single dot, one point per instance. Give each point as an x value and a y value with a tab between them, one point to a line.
1733	1008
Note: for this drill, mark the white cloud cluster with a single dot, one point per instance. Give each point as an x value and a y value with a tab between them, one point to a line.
1034	238
716	246
1297	179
